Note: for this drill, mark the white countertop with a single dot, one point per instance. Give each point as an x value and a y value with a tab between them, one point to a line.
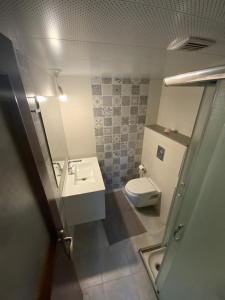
93	184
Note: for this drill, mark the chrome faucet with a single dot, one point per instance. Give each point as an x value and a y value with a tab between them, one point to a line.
57	164
70	166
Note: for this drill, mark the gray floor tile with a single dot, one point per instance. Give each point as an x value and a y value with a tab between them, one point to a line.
144	286
114	271
88	237
121	289
135	262
142	241
89	269
94	293
115	262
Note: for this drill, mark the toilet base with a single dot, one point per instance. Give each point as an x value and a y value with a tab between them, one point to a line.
143	201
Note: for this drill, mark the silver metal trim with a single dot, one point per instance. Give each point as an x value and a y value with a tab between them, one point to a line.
177	235
151	277
67	243
196	77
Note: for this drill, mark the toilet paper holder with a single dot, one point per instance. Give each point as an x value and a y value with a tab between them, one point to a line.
142	170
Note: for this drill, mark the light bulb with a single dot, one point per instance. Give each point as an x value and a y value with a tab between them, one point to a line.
41	99
63	98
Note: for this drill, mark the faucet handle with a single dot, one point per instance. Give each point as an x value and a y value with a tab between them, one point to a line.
70	167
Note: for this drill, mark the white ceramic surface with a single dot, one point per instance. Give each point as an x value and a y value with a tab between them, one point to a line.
89	169
84	192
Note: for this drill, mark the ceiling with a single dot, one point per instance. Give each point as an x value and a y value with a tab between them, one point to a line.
86	37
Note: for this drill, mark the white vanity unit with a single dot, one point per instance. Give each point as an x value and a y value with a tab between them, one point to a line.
84	191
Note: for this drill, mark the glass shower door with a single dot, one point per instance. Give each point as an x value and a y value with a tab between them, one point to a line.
193	267
190	157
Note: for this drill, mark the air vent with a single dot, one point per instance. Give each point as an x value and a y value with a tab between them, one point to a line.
190	44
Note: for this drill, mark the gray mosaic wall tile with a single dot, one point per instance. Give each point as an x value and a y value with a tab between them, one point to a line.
108	139
98	112
107	130
107	80
125	100
117	80
96	80
97	101
126	81
135	90
107	100
119	109
143	100
99	131
116	90
116	130
117	100
96	89
107	121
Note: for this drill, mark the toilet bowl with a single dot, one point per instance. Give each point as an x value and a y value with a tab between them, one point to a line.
142	192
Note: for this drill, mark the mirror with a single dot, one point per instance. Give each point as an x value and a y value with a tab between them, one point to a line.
54	131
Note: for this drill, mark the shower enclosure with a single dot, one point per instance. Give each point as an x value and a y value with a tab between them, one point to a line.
193	263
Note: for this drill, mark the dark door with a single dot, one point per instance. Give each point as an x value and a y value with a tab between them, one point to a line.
25	234
32	265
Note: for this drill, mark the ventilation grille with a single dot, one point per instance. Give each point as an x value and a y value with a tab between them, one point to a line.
190	44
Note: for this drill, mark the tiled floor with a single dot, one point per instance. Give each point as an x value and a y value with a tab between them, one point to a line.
114	271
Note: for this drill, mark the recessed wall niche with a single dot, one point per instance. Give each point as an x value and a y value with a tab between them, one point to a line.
119	107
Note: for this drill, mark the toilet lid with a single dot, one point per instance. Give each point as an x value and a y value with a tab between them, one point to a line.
140	186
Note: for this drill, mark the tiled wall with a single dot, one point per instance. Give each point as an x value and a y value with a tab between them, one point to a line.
119	106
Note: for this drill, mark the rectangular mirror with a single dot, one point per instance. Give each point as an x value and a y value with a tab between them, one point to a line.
53	125
47	118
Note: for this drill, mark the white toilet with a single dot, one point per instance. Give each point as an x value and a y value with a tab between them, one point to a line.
142	192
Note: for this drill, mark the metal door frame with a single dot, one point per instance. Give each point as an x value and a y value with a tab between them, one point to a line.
206	77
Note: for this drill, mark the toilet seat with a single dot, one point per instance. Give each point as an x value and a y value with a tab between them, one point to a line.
140	186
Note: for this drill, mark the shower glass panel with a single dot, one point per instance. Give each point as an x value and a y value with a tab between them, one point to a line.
188	163
193	267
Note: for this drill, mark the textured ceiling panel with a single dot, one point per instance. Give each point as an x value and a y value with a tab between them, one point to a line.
119	22
208	9
104	34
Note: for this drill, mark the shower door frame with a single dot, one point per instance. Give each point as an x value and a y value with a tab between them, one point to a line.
207	78
193	147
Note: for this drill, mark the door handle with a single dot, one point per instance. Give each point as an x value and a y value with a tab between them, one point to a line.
67	243
177	235
69	250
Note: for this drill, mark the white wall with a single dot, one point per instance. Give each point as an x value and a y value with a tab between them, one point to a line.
77	115
36	80
178	108
164	173
155	88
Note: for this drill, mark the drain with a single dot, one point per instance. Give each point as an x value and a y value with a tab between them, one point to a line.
157	266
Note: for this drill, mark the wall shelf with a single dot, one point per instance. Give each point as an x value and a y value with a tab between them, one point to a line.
175	136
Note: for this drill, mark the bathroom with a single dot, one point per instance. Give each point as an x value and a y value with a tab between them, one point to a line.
112	137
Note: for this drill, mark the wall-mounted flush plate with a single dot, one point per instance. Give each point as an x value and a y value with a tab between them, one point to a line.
160	152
